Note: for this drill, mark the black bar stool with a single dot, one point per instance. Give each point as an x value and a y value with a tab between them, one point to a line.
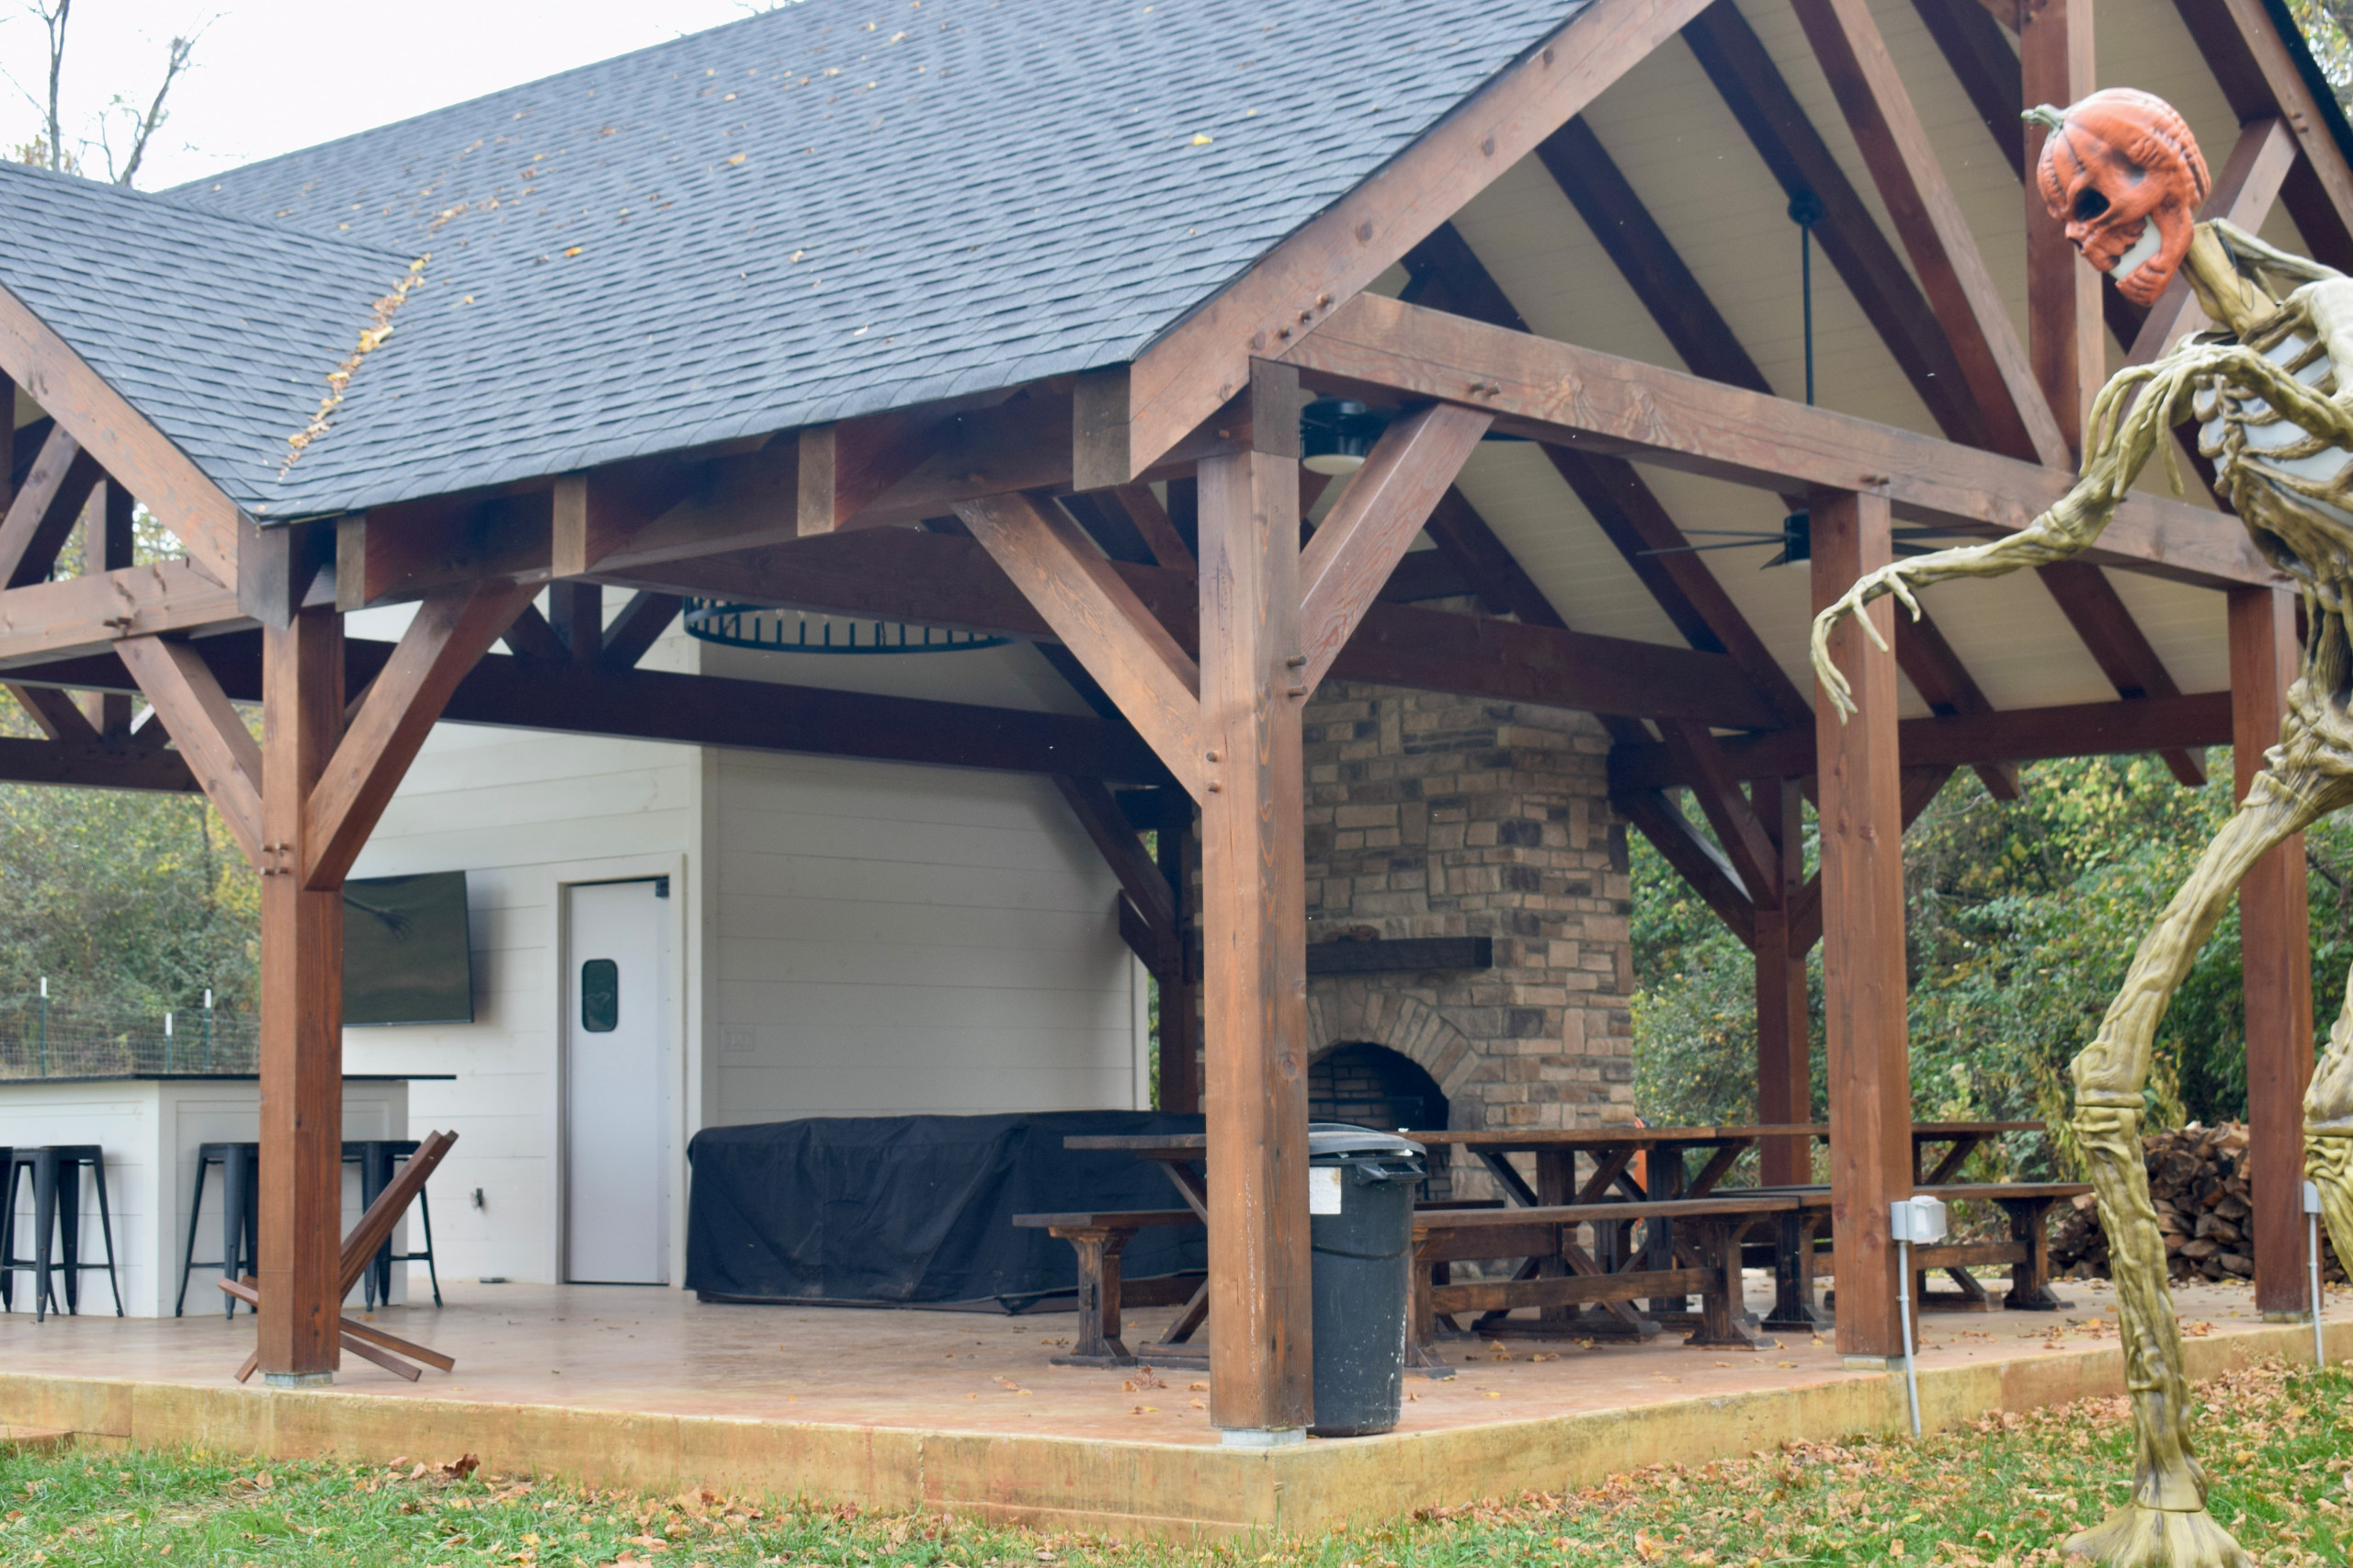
376	1158
240	1218
56	1171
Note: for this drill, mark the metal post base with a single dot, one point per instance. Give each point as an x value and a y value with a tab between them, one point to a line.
1260	1438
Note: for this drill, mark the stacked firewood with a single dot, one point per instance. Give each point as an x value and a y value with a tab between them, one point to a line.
2198	1181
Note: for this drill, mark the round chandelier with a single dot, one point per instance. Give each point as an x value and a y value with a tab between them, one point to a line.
805	632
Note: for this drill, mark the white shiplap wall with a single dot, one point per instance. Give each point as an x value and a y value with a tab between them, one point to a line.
850	937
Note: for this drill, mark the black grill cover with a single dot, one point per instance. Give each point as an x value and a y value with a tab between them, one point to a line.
906	1210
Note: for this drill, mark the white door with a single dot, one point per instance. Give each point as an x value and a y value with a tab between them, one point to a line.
617	1099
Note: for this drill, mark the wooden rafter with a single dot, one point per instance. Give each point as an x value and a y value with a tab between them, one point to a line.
1936	674
1343	566
529	636
2259	76
2066	348
1569	395
1752	87
451	630
1097	617
577	612
208	730
1693	855
41	517
1141	883
1181	379
1747	842
845	468
1959	286
94	765
1452	277
119	438
637	626
1158	529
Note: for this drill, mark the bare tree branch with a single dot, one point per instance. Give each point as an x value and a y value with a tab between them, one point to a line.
176	61
54	16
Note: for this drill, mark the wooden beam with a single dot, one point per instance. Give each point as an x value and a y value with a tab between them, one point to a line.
119	438
1694	857
1752	86
1464	537
1936	674
1098	618
94	766
1139	880
108	545
1181	379
943	581
56	714
1784	1055
1747	844
1152	520
2016	734
41	516
1452	277
1645	257
1177	844
576	611
2067	347
2314	198
596	519
2122	651
1578	397
1254	929
638	627
209	733
452	630
301	1010
404	552
1928	216
2244	191
1863	956
529	636
1378	516
1982	59
846	468
2274	945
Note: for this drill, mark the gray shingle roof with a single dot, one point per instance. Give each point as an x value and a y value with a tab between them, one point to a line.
825	210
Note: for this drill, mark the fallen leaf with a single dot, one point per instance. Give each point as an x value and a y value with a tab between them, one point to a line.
1202	140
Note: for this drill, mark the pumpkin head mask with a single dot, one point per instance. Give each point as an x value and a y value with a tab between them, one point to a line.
2121	170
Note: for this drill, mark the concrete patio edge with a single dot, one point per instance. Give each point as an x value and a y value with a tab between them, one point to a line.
1069	1483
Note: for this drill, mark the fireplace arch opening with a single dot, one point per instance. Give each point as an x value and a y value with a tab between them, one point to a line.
1372	1086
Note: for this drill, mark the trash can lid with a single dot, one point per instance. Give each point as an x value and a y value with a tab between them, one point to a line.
1330	1142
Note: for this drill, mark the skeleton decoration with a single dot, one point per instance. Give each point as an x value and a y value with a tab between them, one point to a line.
2277	421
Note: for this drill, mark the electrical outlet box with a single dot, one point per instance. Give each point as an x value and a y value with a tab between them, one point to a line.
1919	1219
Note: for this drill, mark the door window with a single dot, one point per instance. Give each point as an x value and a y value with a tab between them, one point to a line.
600	996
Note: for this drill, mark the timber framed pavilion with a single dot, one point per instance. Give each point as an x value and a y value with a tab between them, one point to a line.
958	316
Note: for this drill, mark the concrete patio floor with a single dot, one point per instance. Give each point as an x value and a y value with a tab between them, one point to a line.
642	1386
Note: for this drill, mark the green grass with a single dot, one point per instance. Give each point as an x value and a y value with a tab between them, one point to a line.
2004	1491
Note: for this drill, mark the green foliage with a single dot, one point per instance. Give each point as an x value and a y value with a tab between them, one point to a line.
2021	919
128	900
2328	27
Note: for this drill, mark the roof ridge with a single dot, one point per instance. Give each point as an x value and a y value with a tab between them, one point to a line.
82	187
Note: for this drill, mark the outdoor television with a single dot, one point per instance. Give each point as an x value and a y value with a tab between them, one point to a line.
405	957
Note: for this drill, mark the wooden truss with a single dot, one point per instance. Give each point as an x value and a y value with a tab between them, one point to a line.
1142	526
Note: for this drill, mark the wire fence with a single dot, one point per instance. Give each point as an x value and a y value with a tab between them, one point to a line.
51	1038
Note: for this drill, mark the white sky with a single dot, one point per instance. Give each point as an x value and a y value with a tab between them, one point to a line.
273	75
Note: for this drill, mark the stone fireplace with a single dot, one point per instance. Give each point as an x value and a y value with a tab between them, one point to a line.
1432	817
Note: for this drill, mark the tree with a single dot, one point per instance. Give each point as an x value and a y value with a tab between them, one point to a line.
123	121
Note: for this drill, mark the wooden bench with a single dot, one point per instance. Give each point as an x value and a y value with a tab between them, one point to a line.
1098	1239
1557	1272
1796	1252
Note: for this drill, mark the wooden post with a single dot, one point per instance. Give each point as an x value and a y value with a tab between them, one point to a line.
1784	1049
108	545
1180	1069
301	1011
2066	340
1254	926
1862	899
2275	947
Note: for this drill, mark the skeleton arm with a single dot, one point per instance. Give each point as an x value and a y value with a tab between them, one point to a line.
2126	430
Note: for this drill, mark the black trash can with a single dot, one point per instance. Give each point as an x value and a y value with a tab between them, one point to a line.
1361	1222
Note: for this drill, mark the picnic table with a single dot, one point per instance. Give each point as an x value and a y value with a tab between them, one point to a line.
1652	1177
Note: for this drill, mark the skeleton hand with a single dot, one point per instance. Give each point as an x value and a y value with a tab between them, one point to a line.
1887	579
